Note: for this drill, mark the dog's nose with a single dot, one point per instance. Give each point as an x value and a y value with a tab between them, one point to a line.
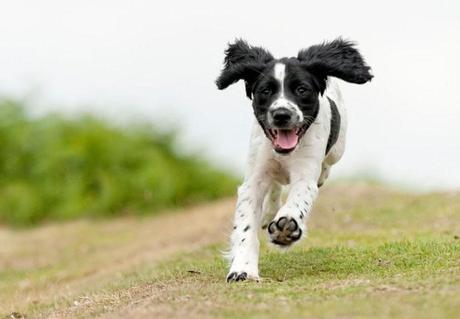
281	116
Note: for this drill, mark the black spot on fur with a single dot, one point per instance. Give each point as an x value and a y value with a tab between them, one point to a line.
335	126
234	227
244	200
242	240
246	228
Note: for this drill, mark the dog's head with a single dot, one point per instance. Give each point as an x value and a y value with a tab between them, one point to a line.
285	92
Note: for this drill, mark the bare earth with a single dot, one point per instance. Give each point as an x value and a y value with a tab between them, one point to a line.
89	254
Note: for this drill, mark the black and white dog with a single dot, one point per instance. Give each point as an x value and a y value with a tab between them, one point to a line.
298	134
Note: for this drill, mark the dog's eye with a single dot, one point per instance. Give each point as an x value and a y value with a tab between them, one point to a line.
266	91
301	90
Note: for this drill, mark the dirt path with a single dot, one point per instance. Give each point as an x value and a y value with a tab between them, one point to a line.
62	261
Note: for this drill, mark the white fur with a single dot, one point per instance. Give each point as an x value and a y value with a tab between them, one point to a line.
303	169
279	74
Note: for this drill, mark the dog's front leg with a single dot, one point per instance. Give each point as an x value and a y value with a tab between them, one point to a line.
289	224
244	251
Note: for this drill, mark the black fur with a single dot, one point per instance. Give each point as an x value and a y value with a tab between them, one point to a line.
296	77
335	126
243	62
337	58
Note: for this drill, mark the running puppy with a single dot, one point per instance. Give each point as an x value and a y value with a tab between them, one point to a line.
298	134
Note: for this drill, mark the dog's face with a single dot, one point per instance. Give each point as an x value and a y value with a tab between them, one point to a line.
285	102
285	92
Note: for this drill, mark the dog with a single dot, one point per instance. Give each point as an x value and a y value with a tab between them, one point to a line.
298	134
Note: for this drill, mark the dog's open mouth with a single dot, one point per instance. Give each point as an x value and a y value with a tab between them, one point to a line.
285	140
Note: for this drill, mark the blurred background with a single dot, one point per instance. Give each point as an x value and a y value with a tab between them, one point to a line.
110	107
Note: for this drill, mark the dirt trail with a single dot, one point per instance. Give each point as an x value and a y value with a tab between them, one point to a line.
65	260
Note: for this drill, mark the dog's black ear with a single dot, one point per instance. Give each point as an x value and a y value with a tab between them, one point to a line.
338	58
242	62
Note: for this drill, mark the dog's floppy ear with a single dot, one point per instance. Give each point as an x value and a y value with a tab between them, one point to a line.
338	58
242	62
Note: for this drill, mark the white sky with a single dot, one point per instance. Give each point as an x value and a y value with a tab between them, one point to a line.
157	61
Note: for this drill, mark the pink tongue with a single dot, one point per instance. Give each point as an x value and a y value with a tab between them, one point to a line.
286	139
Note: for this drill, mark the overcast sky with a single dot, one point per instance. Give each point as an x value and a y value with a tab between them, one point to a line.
157	60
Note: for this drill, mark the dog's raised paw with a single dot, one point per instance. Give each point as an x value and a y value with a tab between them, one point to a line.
284	231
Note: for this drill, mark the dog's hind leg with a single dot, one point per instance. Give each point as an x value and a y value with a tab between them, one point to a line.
272	204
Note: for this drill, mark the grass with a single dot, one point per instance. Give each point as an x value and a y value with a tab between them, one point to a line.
371	252
394	279
58	168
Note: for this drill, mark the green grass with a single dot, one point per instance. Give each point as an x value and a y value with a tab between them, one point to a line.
55	168
406	279
371	252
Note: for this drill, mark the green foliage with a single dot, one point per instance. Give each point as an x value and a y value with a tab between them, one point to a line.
57	168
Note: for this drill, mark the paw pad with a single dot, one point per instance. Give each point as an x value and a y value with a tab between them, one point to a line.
284	231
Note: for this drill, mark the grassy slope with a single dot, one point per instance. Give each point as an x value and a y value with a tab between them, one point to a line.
371	252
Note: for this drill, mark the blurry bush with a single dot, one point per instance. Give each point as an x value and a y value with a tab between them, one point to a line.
54	168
